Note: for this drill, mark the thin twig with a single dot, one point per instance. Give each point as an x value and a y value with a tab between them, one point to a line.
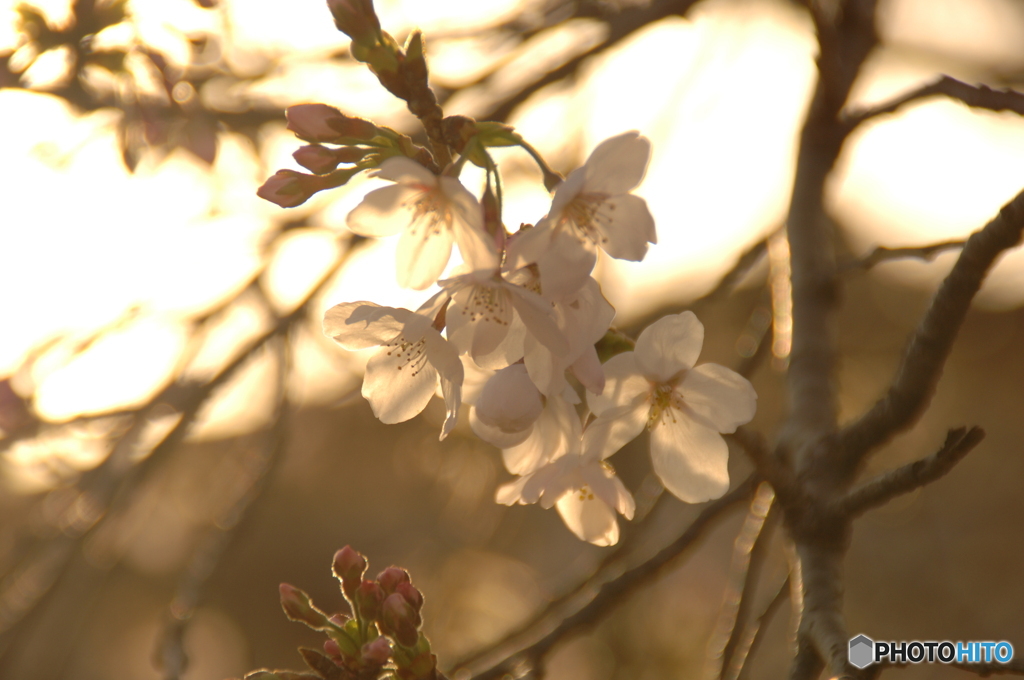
113	482
915	380
738	668
882	489
621	25
884	254
171	653
604	596
749	552
975	96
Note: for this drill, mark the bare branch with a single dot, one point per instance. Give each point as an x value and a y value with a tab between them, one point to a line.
975	96
749	553
621	25
915	380
881	489
769	466
171	654
884	254
846	35
605	596
738	668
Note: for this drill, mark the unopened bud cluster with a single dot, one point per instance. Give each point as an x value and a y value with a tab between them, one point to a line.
382	638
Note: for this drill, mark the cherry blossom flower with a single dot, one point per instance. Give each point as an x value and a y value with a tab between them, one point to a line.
432	212
490	318
583	488
583	318
592	208
402	376
685	407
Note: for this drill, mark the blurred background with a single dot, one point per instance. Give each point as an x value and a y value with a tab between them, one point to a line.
178	437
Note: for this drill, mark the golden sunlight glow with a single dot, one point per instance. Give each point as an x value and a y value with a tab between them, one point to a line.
720	94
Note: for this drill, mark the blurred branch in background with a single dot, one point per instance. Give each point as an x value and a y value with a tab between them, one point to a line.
196	88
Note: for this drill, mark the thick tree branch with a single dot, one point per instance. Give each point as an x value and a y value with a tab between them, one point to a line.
915	380
882	489
846	36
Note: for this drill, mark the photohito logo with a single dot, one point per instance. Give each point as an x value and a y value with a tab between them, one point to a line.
864	651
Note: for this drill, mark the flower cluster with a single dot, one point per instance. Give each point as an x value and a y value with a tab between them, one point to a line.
381	636
511	332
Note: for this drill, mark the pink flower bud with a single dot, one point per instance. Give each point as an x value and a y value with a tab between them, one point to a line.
391	577
368	599
411	594
323	123
400	620
322	160
377	652
288	188
298	607
356	19
333	650
348	567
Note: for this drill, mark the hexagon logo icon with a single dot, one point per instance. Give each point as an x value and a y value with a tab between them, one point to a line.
862	651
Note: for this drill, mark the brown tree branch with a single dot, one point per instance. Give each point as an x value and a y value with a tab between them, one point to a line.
884	254
975	96
171	654
749	553
738	668
882	489
621	25
533	645
915	380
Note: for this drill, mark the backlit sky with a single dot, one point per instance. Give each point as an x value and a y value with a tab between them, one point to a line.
720	94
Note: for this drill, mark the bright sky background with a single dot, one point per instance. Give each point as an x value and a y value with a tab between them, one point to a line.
720	93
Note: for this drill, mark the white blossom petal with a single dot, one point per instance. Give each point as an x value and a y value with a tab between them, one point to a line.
623	384
480	315
555	433
718	397
566	264
691	460
626	225
590	518
566	192
618	164
399	381
509	401
476	247
475	377
587	369
609	488
669	345
424	249
405	170
538	317
496	436
613	429
381	211
443	356
359	325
